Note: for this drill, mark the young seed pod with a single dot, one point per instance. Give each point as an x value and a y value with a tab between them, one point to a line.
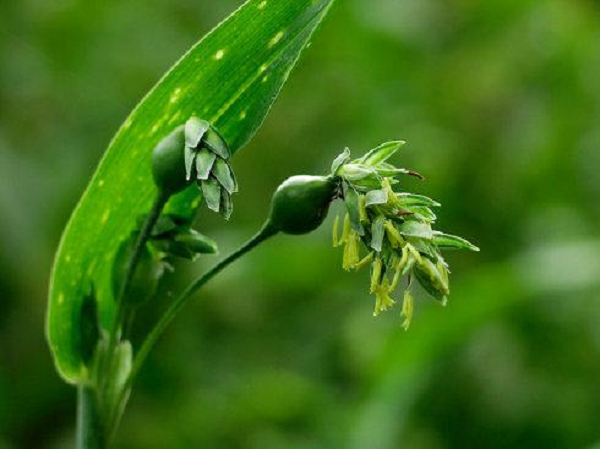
300	204
168	167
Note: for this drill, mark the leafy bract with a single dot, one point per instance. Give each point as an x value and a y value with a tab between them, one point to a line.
230	79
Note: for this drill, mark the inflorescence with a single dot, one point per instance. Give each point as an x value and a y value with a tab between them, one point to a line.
393	228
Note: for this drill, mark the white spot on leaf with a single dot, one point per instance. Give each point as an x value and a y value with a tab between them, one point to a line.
105	216
219	55
262	5
176	95
275	40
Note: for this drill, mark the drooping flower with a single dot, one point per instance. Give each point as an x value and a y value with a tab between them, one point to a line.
393	228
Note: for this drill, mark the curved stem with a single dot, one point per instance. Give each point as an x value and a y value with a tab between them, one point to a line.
266	232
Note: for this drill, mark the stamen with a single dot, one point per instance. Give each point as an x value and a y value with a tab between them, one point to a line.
415	253
362	209
366	261
376	274
392	199
407	309
396	240
351	251
383	300
346	230
399	268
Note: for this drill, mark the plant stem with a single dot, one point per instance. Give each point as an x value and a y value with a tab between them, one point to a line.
90	433
266	232
105	371
145	232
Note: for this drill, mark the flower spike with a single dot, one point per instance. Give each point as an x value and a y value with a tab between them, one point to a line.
393	227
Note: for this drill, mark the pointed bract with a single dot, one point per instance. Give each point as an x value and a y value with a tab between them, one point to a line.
205	160
222	172
194	131
452	242
211	190
382	152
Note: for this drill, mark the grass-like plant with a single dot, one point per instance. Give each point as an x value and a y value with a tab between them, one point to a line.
171	158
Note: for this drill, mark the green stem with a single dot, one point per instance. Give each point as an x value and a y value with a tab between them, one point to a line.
90	433
266	232
144	235
107	364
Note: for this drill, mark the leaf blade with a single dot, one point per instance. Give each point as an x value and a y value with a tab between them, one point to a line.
216	81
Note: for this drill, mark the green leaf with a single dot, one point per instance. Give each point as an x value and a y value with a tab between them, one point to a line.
230	79
448	241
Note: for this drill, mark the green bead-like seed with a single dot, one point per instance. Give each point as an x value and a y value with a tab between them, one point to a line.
301	203
168	166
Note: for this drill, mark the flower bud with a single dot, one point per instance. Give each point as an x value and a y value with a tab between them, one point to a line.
168	168
300	204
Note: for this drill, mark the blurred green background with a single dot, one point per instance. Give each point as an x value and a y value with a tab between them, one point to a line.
500	103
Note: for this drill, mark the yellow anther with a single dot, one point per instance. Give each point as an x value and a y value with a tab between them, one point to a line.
399	268
346	230
415	254
391	195
407	309
376	274
362	209
396	240
351	252
366	261
383	299
443	271
336	224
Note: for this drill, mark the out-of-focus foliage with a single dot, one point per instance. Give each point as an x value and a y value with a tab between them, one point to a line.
500	104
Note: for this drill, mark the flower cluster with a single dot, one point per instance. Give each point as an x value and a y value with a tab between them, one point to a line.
394	228
206	155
